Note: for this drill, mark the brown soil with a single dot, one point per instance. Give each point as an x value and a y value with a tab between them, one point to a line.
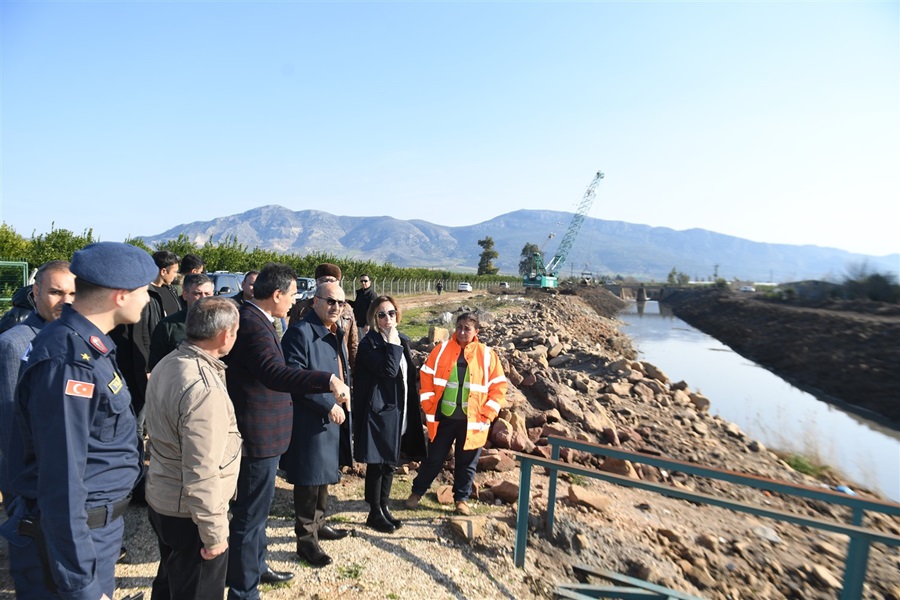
847	351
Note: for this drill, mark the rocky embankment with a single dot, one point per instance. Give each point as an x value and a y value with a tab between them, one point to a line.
850	352
572	373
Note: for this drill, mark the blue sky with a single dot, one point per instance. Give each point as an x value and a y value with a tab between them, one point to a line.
775	122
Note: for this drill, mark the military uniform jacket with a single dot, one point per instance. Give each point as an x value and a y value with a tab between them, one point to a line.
76	445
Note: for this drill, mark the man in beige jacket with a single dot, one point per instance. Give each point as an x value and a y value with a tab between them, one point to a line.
195	452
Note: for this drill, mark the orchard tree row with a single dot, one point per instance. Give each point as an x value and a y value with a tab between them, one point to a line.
226	255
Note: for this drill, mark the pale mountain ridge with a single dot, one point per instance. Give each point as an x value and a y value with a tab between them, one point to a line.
603	247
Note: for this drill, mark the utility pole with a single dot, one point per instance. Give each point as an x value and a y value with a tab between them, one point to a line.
715	272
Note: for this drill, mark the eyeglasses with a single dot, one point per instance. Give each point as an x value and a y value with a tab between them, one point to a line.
364	281
390	313
332	301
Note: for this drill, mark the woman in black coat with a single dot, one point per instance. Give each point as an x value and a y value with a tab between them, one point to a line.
387	417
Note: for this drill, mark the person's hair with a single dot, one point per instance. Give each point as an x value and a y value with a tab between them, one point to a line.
191	262
209	316
87	291
366	276
373	309
52	266
469	316
195	280
165	259
273	276
248	274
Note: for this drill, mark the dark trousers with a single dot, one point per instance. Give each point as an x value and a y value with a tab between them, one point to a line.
449	431
28	575
310	503
182	572
379	480
249	513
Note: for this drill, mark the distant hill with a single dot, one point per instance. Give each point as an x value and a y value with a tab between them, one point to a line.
603	247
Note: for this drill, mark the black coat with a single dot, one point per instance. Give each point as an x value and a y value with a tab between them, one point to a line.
378	402
313	455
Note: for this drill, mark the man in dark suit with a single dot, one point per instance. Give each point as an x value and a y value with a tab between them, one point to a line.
260	386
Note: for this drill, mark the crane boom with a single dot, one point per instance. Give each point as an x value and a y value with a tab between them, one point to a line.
544	275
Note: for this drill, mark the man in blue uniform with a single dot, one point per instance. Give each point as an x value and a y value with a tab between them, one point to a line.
74	455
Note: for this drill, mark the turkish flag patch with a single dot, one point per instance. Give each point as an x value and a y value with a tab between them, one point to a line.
82	389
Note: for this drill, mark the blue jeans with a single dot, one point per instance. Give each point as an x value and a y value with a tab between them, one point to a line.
449	431
249	514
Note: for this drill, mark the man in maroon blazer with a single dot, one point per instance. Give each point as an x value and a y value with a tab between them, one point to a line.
260	385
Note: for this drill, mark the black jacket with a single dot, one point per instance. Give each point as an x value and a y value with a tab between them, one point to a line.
22	306
380	408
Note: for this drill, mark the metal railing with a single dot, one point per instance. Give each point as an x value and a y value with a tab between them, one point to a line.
860	538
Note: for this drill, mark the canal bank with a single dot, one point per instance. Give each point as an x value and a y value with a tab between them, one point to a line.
764	405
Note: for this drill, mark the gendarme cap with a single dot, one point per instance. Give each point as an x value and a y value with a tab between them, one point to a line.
114	265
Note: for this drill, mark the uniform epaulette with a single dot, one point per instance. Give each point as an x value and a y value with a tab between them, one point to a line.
82	354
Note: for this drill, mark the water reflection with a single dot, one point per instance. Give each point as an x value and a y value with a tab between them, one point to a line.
765	406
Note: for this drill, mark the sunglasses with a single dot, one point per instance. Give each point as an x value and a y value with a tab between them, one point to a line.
364	281
390	313
332	301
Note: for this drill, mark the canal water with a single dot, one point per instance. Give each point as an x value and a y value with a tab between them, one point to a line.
762	404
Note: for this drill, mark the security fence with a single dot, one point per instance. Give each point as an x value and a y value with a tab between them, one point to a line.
401	286
13	275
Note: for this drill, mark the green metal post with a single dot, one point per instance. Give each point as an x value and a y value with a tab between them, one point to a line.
856	565
523	508
551	489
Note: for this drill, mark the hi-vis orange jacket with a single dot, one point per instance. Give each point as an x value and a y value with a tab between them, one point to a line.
486	384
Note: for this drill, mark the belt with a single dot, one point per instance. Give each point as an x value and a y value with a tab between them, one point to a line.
96	517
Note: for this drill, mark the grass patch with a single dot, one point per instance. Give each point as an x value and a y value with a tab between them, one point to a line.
575	478
271	587
803	464
340	519
351	571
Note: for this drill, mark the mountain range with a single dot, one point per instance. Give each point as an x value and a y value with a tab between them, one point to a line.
605	248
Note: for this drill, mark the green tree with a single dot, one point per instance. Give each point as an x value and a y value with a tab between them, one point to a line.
181	245
59	244
672	279
12	245
488	254
140	243
525	258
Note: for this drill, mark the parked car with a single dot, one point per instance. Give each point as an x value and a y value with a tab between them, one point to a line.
306	288
504	285
464	287
225	283
747	288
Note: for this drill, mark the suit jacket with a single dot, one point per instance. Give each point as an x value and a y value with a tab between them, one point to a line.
260	384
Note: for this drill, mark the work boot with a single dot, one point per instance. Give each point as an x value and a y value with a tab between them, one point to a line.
462	508
412	502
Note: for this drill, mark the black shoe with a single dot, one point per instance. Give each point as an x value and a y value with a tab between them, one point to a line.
329	533
311	553
270	576
397	523
377	522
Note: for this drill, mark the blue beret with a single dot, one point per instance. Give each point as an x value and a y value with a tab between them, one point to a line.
114	265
